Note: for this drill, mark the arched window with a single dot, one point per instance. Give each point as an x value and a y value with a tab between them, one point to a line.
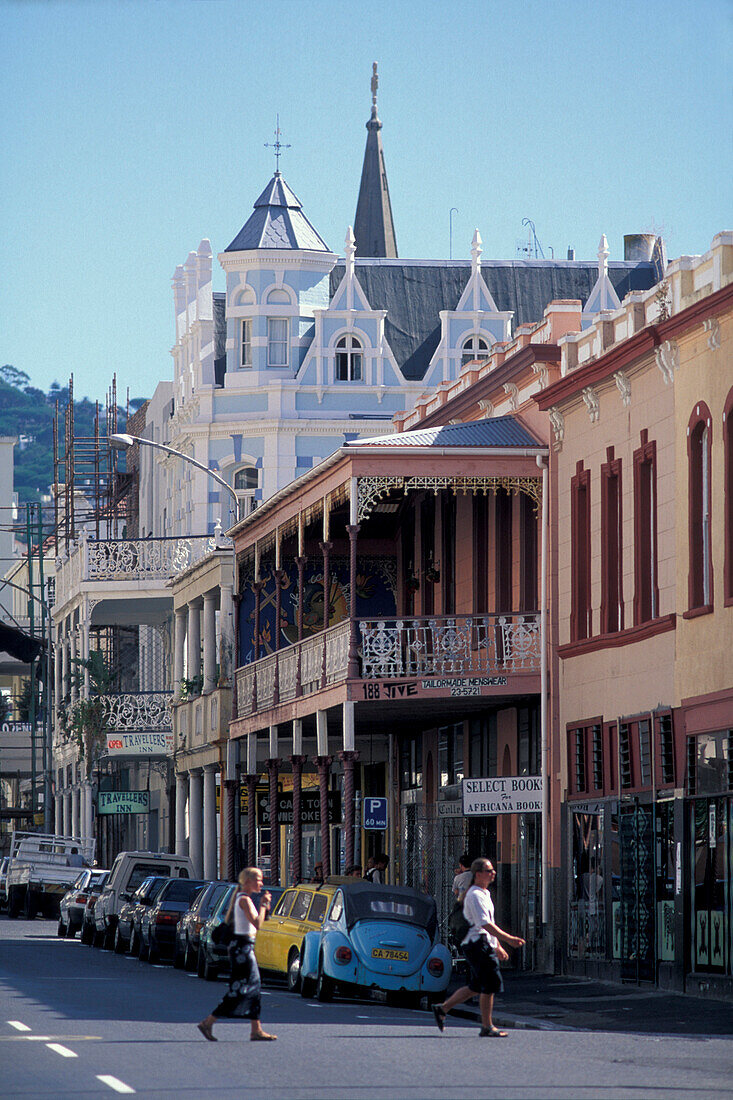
699	449
348	360
278	297
246	481
475	347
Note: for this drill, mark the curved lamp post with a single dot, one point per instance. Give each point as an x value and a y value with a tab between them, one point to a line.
121	442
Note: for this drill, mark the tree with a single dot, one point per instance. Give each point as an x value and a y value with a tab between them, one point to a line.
85	721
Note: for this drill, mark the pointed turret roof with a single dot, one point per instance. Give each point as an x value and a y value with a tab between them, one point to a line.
373	224
278	221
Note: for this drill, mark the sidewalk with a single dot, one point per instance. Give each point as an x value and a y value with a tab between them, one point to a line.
566	1003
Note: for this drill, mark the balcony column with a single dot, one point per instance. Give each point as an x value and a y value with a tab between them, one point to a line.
257	586
209	641
352	671
87	815
84	638
194	639
181	796
74	668
279	575
64	644
195	816
58	806
229	807
210	861
75	823
179	651
58	675
273	771
67	811
348	758
323	763
300	563
326	548
251	780
227	662
297	760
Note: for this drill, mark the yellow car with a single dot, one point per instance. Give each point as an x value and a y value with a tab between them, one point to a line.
301	909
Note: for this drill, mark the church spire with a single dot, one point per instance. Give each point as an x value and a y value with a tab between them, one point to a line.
373	224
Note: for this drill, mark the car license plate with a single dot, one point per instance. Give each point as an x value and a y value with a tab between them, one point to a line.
388	953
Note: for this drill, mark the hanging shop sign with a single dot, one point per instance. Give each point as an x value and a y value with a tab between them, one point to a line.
506	794
139	744
450	808
123	802
310	808
453	686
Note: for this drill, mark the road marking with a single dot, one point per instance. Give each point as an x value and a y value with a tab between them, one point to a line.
114	1083
18	1026
57	1048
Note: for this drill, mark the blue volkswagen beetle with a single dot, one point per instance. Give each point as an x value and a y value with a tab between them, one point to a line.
376	937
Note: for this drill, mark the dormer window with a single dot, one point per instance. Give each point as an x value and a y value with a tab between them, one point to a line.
277	342
348	360
474	348
246	344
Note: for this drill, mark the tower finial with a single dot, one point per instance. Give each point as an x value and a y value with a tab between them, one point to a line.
277	145
375	86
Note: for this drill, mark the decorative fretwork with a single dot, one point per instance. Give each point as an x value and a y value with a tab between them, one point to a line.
372	489
148	711
127	559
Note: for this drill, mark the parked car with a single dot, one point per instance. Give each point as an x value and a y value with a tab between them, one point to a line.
42	868
128	918
87	919
374	937
188	929
74	901
128	871
299	910
213	958
158	924
4	882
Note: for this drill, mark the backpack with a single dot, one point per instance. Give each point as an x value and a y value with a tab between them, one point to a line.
457	924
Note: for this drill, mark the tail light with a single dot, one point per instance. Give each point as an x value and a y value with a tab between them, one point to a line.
343	954
167	918
81	899
435	966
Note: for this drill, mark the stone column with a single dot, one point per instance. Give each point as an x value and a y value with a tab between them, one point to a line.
273	771
75	822
195	818
64	643
352	671
67	811
58	690
179	650
231	787
210	860
87	815
181	796
323	763
74	670
209	641
297	763
251	781
194	639
348	757
58	806
227	657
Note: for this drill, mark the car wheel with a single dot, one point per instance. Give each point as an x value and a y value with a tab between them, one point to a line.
178	957
70	931
211	972
13	905
30	908
108	940
189	957
153	954
200	963
86	935
97	938
294	972
324	985
142	951
61	930
120	946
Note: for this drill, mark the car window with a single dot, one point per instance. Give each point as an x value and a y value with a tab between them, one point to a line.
213	899
283	906
141	871
397	908
183	873
301	905
318	908
338	907
181	889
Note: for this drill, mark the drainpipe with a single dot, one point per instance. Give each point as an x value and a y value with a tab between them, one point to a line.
544	739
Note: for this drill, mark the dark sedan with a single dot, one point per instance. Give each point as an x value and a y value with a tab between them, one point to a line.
158	925
213	958
188	930
128	921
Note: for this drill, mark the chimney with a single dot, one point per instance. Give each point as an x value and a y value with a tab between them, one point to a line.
571	253
639	247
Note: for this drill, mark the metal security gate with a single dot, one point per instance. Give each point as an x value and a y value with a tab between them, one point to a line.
636	835
429	849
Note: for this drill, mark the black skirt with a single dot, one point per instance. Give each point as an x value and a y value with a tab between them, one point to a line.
243	998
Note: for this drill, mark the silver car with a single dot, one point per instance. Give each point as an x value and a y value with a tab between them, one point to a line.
75	900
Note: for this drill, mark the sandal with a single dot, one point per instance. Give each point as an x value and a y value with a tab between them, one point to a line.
263	1038
440	1015
492	1033
207	1033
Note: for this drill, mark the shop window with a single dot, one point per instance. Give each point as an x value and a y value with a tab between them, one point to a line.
624	751
699	447
586	917
579	745
646	581
645	752
709	826
728	496
411	763
450	755
709	765
482	746
596	733
612	605
666	748
580	603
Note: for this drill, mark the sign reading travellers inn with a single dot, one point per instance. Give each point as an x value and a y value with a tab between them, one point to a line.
310	808
123	802
139	744
503	794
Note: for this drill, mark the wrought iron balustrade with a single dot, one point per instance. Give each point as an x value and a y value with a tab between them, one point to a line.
140	710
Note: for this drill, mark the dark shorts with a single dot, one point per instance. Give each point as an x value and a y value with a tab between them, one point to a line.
484	973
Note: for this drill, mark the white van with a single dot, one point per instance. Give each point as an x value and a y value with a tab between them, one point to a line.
127	873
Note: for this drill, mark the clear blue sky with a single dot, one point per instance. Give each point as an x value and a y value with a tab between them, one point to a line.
131	130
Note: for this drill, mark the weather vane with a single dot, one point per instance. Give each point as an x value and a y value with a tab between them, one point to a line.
277	145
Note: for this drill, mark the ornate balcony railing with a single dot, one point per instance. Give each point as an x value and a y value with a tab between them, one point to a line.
454	645
391	648
138	711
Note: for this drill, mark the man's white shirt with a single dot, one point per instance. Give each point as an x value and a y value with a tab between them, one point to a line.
478	909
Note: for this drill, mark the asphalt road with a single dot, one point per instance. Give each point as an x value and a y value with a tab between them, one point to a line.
78	1022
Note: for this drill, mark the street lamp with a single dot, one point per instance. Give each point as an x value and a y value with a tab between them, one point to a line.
121	442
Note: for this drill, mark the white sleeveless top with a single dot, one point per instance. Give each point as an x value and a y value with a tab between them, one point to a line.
242	924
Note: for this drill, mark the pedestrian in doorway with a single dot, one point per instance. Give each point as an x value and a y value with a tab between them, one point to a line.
458	926
463	877
243	998
378	872
354	871
482	951
318	874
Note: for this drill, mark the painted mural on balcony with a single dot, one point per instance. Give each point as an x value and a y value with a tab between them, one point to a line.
376	586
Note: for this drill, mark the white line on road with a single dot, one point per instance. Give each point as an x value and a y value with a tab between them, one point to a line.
114	1083
57	1048
18	1026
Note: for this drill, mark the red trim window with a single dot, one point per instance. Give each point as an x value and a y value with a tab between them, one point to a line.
580	605
665	762
699	457
586	757
646	582
728	497
612	599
